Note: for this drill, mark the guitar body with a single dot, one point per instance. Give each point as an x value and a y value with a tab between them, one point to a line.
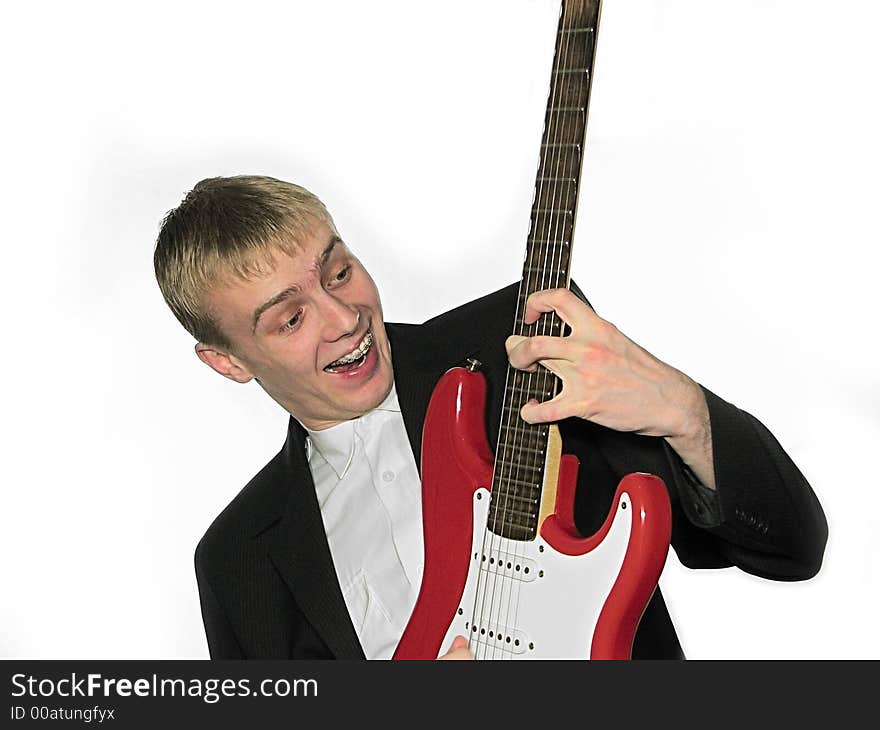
559	595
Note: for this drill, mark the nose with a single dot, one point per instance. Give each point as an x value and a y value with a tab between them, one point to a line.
339	318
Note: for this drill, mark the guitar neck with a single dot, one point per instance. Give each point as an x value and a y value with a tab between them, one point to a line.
519	461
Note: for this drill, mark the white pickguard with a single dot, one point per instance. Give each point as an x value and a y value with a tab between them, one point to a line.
546	604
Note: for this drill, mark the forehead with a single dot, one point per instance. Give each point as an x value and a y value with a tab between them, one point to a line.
283	255
238	292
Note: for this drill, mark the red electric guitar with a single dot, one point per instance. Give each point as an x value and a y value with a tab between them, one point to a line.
504	564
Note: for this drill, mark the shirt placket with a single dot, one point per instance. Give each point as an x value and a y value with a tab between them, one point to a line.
396	480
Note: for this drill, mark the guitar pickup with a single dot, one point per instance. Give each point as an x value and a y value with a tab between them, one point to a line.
508	565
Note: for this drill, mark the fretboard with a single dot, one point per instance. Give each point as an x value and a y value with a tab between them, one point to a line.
520	457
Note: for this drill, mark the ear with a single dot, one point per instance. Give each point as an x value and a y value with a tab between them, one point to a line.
223	362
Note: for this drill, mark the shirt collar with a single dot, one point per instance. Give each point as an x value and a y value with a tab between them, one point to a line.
336	444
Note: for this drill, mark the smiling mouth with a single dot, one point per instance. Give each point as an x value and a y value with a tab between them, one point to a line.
353	359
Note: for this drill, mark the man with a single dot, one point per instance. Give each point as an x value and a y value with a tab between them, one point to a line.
320	555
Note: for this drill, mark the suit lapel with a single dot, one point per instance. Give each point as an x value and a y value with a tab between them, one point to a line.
414	381
298	548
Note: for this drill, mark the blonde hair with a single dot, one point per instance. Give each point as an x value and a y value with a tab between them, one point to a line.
228	227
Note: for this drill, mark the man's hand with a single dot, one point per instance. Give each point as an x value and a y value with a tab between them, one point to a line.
608	379
458	650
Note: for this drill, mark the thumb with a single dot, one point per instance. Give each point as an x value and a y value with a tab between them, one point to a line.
548	411
513	341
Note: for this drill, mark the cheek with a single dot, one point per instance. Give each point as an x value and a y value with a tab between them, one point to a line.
369	294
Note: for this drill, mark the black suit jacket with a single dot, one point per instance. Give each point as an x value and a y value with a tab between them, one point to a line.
266	579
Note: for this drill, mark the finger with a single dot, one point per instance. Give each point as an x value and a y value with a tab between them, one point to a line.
458	650
525	353
546	412
569	307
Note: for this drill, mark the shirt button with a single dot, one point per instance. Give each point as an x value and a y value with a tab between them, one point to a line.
388	475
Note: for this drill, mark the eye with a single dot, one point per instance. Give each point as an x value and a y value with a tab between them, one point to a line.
342	276
291	323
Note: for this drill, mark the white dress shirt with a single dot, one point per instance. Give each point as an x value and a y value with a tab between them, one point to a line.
370	496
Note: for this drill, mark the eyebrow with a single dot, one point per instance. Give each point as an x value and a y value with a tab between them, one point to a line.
294	288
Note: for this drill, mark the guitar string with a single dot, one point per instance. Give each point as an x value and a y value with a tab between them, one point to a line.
485	629
557	226
523	380
547	196
529	378
570	129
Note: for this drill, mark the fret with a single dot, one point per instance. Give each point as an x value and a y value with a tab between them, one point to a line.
551	256
557	281
557	133
572	31
516	408
543	279
538	270
512	485
549	225
531	330
528	502
521	489
560	71
518	449
561	145
560	217
520	436
515	497
547	262
555	165
543	270
551	241
505	480
566	180
538	430
567	109
541	383
509	471
530	392
554	198
508	512
500	521
514	532
529	467
574	51
547	327
501	517
557	211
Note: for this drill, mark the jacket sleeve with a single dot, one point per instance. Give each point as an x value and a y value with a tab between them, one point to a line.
222	643
762	517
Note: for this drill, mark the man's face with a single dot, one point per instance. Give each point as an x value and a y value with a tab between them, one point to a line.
311	333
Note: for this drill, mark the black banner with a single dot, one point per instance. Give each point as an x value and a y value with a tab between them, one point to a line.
157	694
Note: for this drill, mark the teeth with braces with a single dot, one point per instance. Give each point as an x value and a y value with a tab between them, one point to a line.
357	354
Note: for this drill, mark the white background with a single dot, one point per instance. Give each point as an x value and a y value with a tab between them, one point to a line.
728	223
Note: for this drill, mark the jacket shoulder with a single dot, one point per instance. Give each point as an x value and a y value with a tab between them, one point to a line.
255	506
